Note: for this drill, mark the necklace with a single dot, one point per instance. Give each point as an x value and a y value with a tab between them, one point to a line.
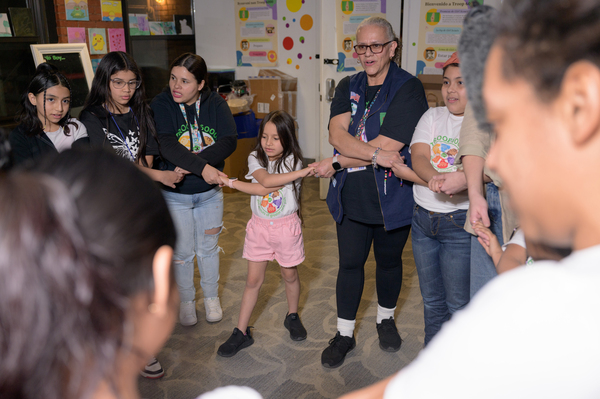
196	142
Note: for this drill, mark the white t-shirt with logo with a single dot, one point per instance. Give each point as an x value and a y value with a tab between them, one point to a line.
280	202
440	130
63	142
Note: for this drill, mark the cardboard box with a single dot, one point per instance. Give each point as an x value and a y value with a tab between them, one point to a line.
273	90
433	89
236	165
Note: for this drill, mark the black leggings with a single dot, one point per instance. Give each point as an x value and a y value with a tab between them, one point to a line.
354	244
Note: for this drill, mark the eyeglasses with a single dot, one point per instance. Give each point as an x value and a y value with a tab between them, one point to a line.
375	48
133	84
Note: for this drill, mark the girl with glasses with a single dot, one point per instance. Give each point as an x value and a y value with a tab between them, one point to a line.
117	117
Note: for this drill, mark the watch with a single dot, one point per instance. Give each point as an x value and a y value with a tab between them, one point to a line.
336	165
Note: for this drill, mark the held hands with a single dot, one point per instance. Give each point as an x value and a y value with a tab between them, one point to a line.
212	175
170	178
322	168
387	158
181	170
308	171
452	183
488	240
479	209
224	181
398	168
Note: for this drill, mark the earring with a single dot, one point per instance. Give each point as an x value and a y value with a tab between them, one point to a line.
153	308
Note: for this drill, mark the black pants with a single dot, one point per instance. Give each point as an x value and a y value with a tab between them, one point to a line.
354	244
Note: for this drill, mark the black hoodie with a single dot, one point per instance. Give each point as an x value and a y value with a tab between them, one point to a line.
219	137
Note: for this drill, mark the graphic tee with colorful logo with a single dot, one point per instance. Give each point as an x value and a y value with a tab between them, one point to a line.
443	153
278	203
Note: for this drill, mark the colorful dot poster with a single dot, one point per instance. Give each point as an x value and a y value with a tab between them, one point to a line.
440	26
256	33
349	14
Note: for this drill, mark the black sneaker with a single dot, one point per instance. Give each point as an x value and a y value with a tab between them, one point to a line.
235	343
333	356
389	339
294	325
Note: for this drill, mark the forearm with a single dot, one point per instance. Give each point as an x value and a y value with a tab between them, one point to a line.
278	179
406	173
253	188
473	169
350	146
180	156
422	168
347	162
218	152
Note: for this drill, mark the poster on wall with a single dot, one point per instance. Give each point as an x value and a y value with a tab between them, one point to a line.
111	11
77	10
440	26
256	33
349	14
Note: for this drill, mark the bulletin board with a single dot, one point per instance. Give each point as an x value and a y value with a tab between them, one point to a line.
256	33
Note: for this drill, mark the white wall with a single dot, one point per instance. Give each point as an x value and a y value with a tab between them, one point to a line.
215	42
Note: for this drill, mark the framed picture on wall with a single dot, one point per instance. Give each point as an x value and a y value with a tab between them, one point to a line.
73	61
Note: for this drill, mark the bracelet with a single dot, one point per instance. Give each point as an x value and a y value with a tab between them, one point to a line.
230	182
374	158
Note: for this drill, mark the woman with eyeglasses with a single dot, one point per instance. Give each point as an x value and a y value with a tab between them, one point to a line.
118	119
373	116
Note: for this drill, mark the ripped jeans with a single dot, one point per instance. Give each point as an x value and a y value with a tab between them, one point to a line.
193	215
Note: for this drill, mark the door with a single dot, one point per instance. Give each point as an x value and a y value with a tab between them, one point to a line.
329	51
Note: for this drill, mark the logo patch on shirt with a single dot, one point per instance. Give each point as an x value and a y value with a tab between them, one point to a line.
354	96
381	118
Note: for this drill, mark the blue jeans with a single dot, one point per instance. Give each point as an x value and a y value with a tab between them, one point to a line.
441	248
193	214
482	266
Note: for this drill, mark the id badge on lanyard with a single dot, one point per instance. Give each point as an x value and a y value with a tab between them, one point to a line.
196	145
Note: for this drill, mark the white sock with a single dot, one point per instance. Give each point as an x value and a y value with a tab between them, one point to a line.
346	327
384	313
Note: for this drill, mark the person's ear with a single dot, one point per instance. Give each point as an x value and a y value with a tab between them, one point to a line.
32	99
201	85
580	101
161	268
393	46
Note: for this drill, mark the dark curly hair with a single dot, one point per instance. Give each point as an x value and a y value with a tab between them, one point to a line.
542	38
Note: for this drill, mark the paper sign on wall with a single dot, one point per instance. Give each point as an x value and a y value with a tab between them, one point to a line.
349	14
256	33
76	35
116	39
98	43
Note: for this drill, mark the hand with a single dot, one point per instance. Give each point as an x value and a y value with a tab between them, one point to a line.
323	168
386	158
224	181
170	178
308	171
212	175
487	239
398	168
435	185
181	170
479	209
453	182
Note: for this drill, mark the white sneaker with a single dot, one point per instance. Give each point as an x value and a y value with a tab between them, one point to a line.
214	312
187	313
153	369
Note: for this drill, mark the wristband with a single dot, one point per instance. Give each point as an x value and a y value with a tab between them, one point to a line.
374	158
230	182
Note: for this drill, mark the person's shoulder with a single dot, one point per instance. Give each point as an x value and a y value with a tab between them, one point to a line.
93	111
77	123
163	98
214	97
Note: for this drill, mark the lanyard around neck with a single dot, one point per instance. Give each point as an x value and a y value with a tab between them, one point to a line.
121	133
194	130
360	130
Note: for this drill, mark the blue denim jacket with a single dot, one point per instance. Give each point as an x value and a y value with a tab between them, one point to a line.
397	204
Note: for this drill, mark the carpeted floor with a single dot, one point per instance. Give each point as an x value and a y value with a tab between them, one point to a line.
276	366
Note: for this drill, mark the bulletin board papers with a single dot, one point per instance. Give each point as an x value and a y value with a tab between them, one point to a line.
256	33
440	26
349	14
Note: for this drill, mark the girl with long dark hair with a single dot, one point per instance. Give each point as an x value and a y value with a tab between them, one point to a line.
117	117
46	125
275	231
196	132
